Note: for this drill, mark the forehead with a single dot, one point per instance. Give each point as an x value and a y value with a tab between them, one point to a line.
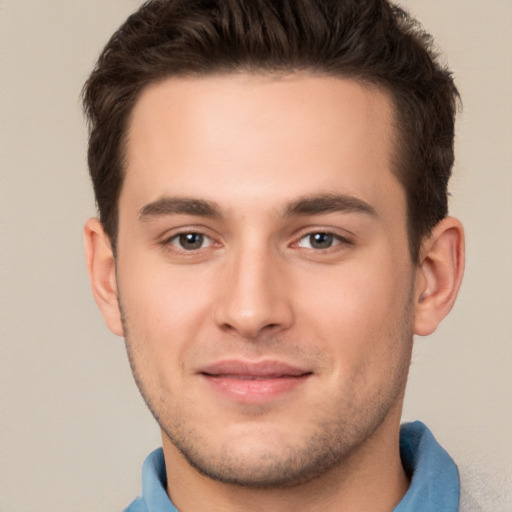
259	136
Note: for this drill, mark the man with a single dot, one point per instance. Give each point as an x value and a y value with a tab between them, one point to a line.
271	179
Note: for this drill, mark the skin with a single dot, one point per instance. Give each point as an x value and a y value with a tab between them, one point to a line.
260	224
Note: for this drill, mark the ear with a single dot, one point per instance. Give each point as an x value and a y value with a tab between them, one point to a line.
439	275
101	266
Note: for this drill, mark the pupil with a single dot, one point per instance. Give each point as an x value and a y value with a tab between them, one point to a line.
321	240
191	241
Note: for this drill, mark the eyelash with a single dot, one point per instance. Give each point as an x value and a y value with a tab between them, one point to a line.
174	241
333	237
178	236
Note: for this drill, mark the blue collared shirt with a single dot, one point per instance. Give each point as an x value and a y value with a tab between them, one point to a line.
434	477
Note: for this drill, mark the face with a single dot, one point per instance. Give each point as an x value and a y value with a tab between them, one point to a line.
263	271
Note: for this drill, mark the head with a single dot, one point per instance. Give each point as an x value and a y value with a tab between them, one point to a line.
271	179
372	41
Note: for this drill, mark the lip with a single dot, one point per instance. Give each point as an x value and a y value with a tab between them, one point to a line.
254	382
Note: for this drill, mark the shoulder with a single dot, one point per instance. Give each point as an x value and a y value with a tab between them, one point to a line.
137	505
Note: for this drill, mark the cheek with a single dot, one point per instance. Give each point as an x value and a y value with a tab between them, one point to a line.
362	315
164	310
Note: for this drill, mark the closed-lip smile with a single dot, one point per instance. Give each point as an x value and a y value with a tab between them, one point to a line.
254	381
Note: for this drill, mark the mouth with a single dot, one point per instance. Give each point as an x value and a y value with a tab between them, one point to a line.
254	382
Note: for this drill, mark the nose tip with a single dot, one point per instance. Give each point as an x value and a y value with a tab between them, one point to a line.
251	324
254	300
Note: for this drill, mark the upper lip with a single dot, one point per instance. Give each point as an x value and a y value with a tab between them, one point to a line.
269	369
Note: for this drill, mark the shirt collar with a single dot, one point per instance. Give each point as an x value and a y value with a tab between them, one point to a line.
154	481
434	476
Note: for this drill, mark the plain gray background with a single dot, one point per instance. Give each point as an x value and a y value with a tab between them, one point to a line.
73	429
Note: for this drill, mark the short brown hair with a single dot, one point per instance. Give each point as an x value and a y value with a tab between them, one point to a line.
370	40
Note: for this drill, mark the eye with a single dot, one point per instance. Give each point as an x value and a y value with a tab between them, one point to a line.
190	241
319	240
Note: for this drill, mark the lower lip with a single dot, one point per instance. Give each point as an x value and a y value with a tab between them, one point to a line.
255	391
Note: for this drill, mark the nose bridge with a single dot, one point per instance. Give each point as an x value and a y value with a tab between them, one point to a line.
253	296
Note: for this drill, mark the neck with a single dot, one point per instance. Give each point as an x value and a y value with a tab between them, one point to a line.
371	478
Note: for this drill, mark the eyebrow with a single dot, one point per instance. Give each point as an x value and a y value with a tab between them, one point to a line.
179	205
328	203
306	205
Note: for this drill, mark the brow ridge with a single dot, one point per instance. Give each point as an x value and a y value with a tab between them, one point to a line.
169	205
318	204
328	203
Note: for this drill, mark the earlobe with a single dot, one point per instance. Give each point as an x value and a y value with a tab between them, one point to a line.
439	275
101	267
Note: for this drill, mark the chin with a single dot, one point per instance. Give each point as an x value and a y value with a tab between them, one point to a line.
267	457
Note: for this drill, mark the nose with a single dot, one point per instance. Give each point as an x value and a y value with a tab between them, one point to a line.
253	295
